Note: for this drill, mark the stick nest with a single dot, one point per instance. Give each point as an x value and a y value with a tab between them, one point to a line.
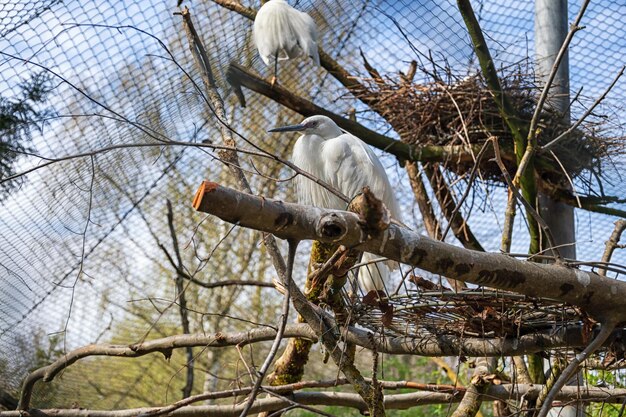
465	113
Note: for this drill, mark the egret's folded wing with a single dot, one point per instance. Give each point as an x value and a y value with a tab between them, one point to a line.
350	164
306	156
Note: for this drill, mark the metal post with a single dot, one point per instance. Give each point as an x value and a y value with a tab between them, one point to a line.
551	27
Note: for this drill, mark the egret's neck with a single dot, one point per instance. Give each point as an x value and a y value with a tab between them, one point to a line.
328	131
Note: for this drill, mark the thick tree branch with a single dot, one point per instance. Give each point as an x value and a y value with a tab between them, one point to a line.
473	397
239	76
598	295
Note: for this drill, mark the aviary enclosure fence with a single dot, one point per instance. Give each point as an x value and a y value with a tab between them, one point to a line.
88	253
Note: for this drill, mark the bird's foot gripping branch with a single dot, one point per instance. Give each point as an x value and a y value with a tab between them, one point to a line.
592	292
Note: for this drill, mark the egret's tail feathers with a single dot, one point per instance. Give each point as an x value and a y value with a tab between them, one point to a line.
373	275
307	37
311	51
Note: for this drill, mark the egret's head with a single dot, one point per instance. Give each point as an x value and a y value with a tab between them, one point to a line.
315	125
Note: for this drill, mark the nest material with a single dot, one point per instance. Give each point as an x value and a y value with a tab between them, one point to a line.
469	313
465	111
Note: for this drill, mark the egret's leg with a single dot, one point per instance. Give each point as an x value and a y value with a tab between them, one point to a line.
275	70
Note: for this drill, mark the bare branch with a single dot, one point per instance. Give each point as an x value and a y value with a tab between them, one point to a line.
293	245
182	300
529	208
575	27
448	206
470	182
436	345
612	244
531	140
164	346
423	201
393	401
509	221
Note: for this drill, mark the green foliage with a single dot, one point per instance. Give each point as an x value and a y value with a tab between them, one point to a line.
599	378
18	117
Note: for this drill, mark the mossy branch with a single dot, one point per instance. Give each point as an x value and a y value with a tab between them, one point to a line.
518	127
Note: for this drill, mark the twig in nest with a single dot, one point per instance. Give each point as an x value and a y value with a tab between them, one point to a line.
585	115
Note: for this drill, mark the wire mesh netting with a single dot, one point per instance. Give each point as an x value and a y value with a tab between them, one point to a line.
86	249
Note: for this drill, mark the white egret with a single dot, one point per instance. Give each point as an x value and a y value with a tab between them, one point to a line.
348	164
281	32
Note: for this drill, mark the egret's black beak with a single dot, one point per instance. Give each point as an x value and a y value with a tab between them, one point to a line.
292	128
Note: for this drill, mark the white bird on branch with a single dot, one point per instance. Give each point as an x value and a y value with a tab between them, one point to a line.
348	164
281	32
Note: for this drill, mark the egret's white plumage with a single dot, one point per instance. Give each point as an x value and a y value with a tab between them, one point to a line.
282	32
348	164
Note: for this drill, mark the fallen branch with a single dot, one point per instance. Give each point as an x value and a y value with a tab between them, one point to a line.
594	293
